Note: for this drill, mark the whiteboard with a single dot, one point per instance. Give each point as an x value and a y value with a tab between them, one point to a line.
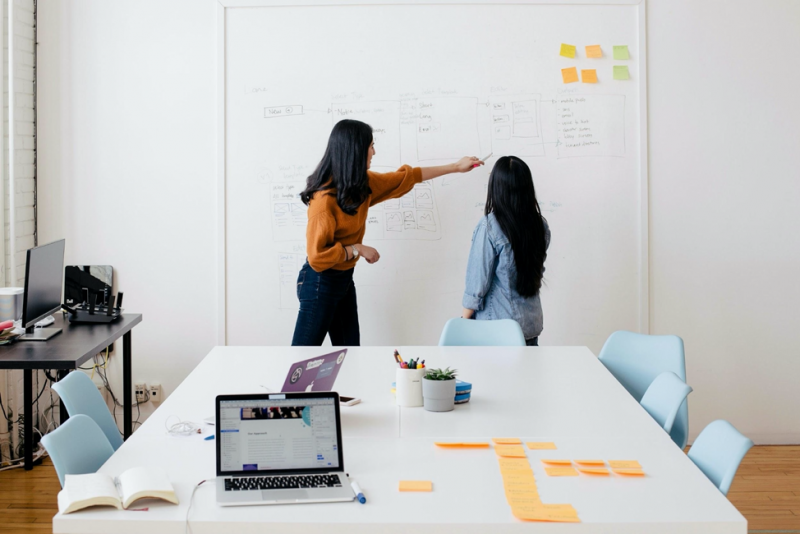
436	82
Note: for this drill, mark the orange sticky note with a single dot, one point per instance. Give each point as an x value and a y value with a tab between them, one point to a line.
541	445
511	476
416	485
521	494
522	485
557	462
569	75
589	76
590	462
510	451
561	471
514	463
629	472
507	441
542	513
602	471
567	50
476	445
625	464
594	51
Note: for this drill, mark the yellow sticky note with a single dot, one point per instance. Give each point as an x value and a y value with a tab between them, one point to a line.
590	462
602	471
567	50
514	464
620	72
561	471
416	485
541	445
529	486
514	476
507	441
557	462
510	451
621	52
589	76
521	494
542	513
594	51
570	75
629	472
463	445
625	464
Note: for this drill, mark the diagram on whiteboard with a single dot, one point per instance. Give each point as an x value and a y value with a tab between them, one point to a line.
412	216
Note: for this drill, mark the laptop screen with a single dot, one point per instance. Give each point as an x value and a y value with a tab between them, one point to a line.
279	433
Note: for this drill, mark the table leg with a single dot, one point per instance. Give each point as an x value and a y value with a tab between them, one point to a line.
62	410
27	425
127	410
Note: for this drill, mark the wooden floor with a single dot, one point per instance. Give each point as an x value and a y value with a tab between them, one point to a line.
766	491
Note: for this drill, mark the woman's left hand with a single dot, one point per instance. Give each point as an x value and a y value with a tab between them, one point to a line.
467	163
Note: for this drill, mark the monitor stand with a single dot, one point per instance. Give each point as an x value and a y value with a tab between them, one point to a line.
39	334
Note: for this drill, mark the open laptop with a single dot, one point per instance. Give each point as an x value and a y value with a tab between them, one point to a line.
315	374
280	448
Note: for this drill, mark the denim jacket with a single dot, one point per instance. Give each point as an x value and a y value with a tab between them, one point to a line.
492	279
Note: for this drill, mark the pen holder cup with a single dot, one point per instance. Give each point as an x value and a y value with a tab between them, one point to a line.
408	387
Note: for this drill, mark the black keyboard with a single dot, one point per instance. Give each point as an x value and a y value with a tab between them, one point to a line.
282	482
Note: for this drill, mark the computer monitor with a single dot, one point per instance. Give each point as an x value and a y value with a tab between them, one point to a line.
44	268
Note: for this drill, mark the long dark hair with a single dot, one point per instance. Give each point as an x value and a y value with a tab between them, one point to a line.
512	198
343	167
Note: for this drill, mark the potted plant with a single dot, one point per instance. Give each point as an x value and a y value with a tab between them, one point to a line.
439	390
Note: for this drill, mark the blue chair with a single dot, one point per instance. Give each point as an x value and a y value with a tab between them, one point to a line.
664	397
80	396
471	333
718	451
77	447
637	359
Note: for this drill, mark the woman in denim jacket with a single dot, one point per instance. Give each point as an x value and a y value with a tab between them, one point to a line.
509	246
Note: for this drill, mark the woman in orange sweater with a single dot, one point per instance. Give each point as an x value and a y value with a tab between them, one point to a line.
338	195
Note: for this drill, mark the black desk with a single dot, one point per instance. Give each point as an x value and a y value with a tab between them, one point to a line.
71	348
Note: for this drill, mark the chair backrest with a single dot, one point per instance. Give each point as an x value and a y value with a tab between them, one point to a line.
664	397
77	447
80	396
637	359
718	451
469	332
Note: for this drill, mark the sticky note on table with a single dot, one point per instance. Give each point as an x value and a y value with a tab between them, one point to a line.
416	485
589	76
570	75
507	441
628	472
557	462
621	52
601	471
625	464
594	51
567	50
510	451
541	445
590	462
514	464
621	72
561	471
462	445
544	513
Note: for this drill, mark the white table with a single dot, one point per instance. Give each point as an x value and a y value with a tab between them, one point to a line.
560	394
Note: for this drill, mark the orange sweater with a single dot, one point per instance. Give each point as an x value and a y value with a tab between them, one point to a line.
330	229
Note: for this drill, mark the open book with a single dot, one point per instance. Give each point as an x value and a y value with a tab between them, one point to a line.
96	489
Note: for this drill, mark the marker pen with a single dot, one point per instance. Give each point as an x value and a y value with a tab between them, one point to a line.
359	494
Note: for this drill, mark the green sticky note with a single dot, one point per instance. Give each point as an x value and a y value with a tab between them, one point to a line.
621	52
621	72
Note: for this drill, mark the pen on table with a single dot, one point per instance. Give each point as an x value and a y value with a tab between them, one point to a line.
209	437
359	494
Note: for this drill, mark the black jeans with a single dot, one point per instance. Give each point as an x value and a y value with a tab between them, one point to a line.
533	342
327	306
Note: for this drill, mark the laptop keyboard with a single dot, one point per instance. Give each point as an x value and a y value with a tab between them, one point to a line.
282	482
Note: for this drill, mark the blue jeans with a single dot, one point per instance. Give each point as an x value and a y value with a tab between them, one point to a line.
327	306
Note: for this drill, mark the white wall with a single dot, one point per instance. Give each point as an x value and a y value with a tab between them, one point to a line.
127	123
725	186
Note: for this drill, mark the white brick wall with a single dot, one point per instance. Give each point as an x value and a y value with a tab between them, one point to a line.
24	157
24	142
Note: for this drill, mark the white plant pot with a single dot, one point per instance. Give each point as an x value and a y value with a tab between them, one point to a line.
439	395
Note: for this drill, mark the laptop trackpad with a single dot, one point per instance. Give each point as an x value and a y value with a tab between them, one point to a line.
287	495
